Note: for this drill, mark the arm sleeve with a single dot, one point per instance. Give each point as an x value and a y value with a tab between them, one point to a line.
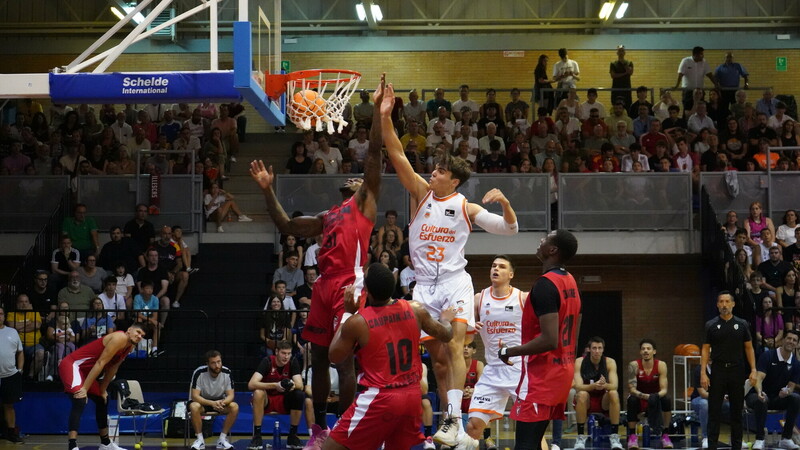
263	366
495	224
295	369
545	297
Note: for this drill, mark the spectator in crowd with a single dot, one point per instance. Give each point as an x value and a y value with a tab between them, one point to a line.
761	131
775	390
572	103
606	154
545	100
494	162
787	135
619	114
661	109
648	385
298	163
277	387
276	325
464	102
791	254
98	161
764	156
622	140
740	105
228	133
16	162
407	277
63	333
414	110
551	150
490	111
122	131
761	251
741	259
357	148
289	244
728	75
774	270
303	293
12	361
44	161
685	160
767	104
641	124
330	156
170	127
567	128
42	295
75	294
140	229
691	72
785	296
287	301
653	136
777	120
207	110
566	71
146	313
212	390
114	304
442	118
157	276
119	249
170	258
290	273
756	222
438	101
642	100
125	283
542	136
590	104
626	165
621	71
768	327
28	324
592	119
218	204
185	250
733	141
91	275
594	141
786	232
413	135
64	260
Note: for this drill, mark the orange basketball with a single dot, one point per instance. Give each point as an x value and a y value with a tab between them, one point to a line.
691	350
678	350
309	104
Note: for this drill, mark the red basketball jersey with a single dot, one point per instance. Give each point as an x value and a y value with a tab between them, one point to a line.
547	377
647	382
271	373
391	358
88	354
345	238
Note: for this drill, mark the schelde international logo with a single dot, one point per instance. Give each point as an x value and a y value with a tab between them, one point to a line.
145	84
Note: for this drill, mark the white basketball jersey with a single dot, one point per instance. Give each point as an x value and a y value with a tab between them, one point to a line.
437	235
502	320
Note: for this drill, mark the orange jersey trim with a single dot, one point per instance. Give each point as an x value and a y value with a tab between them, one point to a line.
466	216
419	206
444	198
487	411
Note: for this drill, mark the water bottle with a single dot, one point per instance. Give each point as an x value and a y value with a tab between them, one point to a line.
590	427
276	436
646	435
596	428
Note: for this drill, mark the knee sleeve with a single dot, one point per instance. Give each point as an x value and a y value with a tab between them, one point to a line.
75	413
666	404
633	406
100	412
295	399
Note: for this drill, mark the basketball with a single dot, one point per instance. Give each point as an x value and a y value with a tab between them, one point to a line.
686	350
308	104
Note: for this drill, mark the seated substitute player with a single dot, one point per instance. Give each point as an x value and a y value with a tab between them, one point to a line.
385	334
648	384
778	374
498	310
212	390
277	387
596	383
441	224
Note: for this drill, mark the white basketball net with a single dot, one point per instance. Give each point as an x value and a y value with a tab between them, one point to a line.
335	88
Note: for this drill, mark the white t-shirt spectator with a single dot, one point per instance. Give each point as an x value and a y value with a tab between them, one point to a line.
693	72
360	148
332	159
310	256
406	277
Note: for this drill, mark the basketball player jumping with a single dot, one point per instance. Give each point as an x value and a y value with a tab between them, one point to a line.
441	222
550	324
345	230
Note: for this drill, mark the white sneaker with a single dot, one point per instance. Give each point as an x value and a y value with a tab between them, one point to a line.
614	441
580	441
428	444
220	229
199	444
223	443
758	445
554	447
788	444
244	218
233	158
112	446
705	443
466	442
176	304
447	434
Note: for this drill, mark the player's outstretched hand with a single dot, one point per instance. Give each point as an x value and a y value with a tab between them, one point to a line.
377	96
350	301
448	315
494	196
388	100
262	175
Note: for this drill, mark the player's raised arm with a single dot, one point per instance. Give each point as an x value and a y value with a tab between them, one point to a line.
441	330
305	226
492	223
414	184
367	194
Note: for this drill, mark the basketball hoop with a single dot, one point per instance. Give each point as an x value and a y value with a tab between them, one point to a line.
315	97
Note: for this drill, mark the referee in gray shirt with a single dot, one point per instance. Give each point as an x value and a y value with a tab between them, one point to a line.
212	390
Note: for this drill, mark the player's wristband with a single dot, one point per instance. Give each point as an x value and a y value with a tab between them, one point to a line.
345	316
503	352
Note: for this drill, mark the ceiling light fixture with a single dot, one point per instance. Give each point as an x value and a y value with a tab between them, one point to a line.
622	9
605	11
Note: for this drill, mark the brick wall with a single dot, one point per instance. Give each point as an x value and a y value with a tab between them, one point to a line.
480	69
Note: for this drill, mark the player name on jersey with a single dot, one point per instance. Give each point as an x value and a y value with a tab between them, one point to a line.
389	319
437	234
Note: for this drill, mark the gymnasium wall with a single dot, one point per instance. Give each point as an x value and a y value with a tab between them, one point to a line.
449	69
